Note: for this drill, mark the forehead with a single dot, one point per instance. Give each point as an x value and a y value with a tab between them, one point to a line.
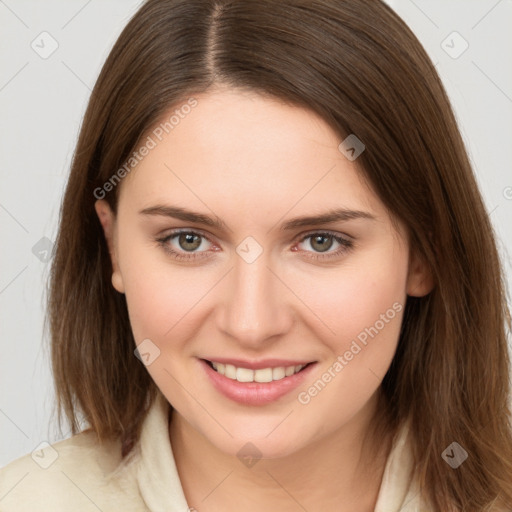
258	152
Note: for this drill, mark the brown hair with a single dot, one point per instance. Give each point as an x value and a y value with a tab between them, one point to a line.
357	65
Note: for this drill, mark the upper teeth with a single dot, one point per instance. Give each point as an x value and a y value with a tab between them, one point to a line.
261	375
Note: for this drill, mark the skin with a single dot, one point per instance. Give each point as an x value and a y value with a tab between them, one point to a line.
255	163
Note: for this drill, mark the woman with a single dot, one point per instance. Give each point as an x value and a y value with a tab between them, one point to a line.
221	360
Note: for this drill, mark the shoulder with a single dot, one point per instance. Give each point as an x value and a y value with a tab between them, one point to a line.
79	473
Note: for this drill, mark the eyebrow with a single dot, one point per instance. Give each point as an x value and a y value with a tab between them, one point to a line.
336	215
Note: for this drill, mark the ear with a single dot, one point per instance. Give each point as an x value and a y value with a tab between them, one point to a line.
108	222
419	280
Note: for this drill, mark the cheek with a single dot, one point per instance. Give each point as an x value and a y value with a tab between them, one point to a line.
368	309
353	297
164	300
364	308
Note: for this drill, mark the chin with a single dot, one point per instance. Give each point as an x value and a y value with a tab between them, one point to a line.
267	440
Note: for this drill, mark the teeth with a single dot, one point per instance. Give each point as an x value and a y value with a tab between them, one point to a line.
290	370
230	372
278	373
244	375
261	375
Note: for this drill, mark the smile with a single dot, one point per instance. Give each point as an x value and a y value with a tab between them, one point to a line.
266	382
261	375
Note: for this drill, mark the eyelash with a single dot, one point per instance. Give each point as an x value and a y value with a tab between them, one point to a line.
345	243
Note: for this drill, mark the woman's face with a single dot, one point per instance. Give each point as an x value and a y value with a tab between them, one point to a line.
254	285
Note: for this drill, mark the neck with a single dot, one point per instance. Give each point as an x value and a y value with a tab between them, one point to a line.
338	473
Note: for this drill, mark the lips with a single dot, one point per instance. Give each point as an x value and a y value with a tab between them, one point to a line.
248	382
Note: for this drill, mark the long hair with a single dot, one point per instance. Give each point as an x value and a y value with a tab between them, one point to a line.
358	66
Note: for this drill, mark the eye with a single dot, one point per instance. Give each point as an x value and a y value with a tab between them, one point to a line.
321	242
186	244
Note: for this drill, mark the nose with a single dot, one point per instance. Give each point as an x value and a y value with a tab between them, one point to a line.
256	309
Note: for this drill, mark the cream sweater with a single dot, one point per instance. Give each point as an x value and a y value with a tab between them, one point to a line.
80	475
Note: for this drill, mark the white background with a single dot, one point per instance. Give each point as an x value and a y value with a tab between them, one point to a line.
42	102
